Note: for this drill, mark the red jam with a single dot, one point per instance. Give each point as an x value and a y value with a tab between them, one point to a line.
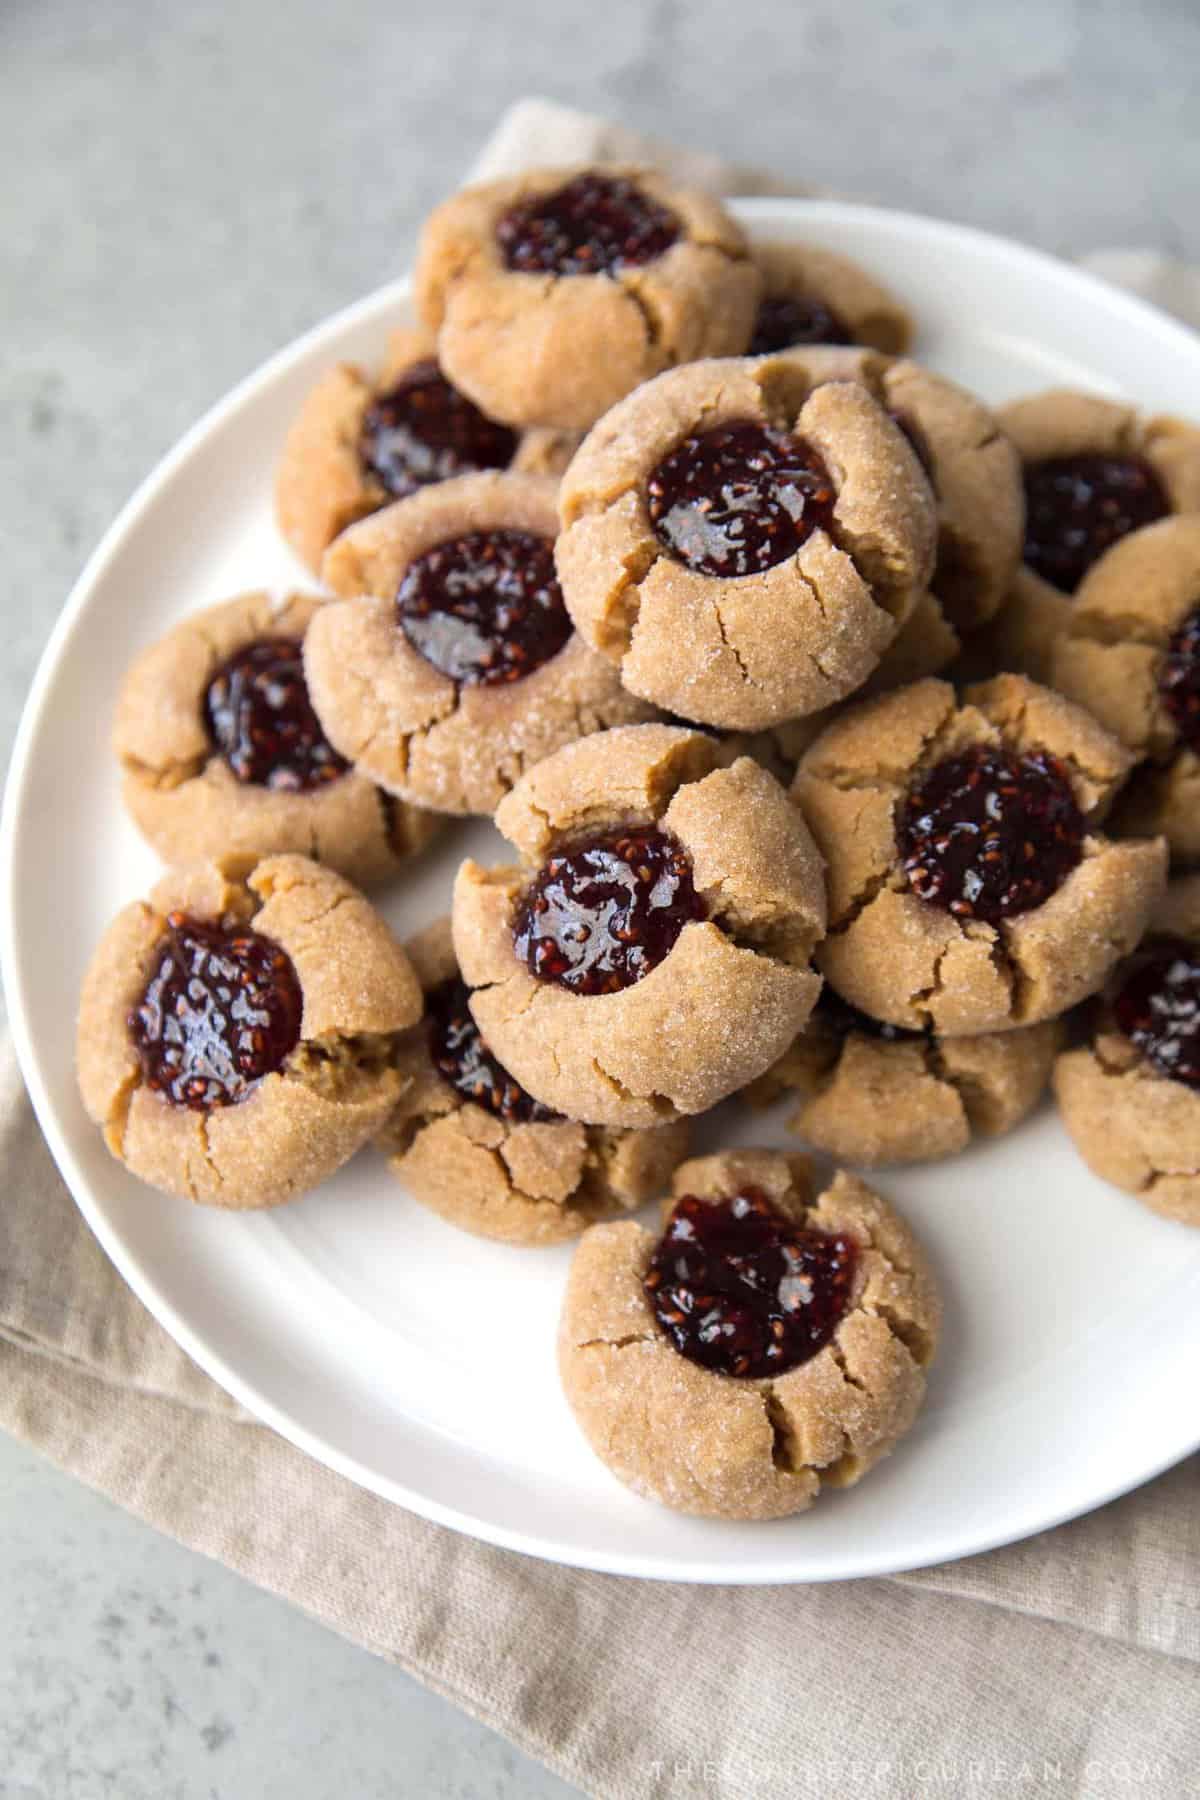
740	1289
989	833
739	498
838	1019
599	916
463	1059
590	226
1158	1008
785	320
1077	507
1179	680
422	430
260	719
221	1010
485	609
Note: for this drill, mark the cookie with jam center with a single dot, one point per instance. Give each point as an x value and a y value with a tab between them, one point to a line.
451	664
468	1142
237	1030
971	886
1130	653
814	296
555	292
743	538
223	754
1095	472
1130	1096
871	1094
771	1342
361	441
651	951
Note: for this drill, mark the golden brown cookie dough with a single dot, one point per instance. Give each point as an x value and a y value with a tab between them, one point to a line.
184	794
502	1166
746	651
722	1446
303	1119
872	1094
455	747
732	989
323	483
814	296
1113	657
915	964
1062	423
540	348
1132	1123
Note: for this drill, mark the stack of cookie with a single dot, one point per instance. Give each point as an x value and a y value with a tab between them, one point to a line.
654	547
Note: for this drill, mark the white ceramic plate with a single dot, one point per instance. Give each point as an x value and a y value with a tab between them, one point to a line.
418	1361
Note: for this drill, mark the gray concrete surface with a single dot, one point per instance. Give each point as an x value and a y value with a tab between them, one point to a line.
184	188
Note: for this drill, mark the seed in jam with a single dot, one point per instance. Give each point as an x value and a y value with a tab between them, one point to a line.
221	1010
592	225
600	915
1179	680
463	1059
739	498
1158	1007
990	833
486	608
422	430
260	719
838	1019
740	1289
785	320
1077	507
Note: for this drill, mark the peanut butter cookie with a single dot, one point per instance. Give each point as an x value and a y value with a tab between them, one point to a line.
1095	471
223	754
236	1031
1130	653
768	1344
1131	1097
358	443
815	296
873	1093
742	538
452	665
970	887
555	292
651	953
467	1141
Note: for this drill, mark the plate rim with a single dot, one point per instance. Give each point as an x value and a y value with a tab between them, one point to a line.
788	211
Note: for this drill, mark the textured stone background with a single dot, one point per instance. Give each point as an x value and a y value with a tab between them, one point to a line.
184	188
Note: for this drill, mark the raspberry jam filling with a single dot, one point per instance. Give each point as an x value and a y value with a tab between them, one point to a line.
422	429
785	320
1158	1008
990	833
1077	507
260	719
1179	680
591	226
486	608
740	1289
463	1059
739	499
599	916
221	1010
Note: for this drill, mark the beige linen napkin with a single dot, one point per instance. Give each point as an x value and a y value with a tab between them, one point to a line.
1065	1665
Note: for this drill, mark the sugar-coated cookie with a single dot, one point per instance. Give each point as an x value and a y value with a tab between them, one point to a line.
771	1342
651	952
236	1030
